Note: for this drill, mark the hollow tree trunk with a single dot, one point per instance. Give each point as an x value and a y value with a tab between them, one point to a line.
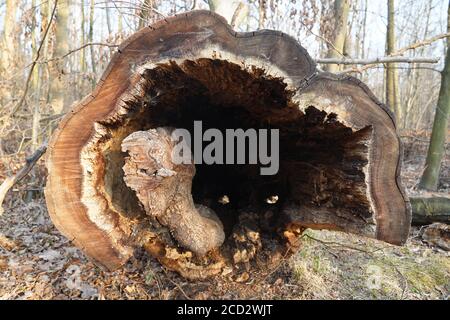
112	186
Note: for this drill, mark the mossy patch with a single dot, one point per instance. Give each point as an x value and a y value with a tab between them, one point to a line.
333	264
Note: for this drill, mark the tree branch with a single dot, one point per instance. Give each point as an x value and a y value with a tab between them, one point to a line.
394	57
11	181
419	44
78	49
387	59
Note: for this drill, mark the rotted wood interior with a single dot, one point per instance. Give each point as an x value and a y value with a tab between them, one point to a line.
320	183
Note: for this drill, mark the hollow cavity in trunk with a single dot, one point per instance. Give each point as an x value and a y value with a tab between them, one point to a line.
321	181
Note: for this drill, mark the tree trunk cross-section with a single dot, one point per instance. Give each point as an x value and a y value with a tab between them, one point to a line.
112	187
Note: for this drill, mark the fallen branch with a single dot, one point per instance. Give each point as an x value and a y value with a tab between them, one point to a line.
429	210
11	181
389	59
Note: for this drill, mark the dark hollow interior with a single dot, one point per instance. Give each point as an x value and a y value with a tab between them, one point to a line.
321	161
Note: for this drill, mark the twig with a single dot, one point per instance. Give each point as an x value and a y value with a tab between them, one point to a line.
322	38
405	281
78	49
419	44
178	286
283	260
11	181
340	244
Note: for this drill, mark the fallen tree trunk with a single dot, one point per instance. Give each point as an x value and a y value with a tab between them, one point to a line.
112	186
428	210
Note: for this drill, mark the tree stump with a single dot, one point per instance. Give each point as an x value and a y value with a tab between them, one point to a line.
112	188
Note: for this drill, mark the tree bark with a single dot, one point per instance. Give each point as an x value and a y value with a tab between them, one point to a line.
144	14
108	21
112	188
58	69
7	59
35	86
262	14
83	38
91	39
392	89
233	11
336	48
430	177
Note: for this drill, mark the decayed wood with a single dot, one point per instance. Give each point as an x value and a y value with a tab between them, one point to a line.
193	66
164	189
392	216
428	210
9	182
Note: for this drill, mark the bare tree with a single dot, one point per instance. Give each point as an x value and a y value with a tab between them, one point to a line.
8	52
392	90
233	11
430	177
83	38
336	45
144	14
91	39
61	46
262	14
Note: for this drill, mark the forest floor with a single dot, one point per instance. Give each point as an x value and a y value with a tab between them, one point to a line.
37	262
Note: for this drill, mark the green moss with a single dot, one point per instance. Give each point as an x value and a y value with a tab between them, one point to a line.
335	268
427	275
